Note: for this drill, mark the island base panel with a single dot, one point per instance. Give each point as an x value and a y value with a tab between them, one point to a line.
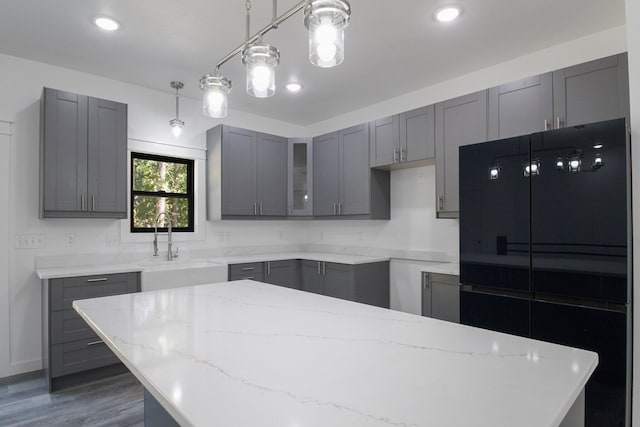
155	415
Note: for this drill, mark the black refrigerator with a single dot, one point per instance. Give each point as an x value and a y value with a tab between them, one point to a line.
544	248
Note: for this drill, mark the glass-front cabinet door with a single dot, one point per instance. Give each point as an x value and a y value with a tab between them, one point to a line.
300	175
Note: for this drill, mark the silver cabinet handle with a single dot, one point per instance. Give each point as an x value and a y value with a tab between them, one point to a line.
319	271
93	202
339	208
546	124
395	155
403	156
89	344
101	279
324	268
441	203
268	268
334	208
82	202
260	205
558	122
247	278
248	268
425	282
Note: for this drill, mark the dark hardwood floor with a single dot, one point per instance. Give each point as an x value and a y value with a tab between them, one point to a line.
114	401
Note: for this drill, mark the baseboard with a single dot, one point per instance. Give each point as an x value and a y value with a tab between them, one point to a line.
22	367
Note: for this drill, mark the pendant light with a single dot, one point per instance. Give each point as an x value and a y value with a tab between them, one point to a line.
326	21
215	87
177	124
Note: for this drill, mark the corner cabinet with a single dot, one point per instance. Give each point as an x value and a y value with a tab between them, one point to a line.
246	173
343	182
83	156
459	121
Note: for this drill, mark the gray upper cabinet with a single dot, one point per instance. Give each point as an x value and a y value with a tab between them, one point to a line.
83	149
246	173
239	167
417	134
521	107
272	175
591	92
343	182
384	141
300	170
402	138
459	121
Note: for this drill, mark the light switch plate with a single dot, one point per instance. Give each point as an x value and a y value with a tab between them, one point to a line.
29	241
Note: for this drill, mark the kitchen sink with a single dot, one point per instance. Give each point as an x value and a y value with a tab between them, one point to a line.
163	274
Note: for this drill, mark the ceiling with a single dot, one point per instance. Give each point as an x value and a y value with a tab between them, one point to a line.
391	47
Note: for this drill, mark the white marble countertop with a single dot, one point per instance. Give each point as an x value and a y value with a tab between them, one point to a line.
250	354
452	268
92	269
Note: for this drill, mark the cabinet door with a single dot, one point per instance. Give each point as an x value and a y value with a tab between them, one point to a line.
311	276
271	184
417	134
282	273
445	297
107	157
384	143
591	92
459	121
239	161
338	280
354	171
521	107
300	172
64	151
326	177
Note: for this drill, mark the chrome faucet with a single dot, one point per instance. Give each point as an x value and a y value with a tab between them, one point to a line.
170	254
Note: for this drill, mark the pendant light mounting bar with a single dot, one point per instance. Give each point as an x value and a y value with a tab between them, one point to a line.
274	24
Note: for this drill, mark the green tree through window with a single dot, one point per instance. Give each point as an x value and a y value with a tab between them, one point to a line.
161	185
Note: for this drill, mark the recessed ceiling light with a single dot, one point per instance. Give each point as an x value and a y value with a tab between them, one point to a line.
106	24
447	13
294	87
598	146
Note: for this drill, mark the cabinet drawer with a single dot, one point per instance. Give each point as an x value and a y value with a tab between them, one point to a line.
250	270
67	325
64	291
76	356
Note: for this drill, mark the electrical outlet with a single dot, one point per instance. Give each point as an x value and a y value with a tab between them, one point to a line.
112	240
29	241
70	239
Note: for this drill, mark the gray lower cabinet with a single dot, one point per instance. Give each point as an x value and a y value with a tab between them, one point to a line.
83	156
72	352
402	139
282	273
247	271
365	283
441	296
246	173
459	121
343	182
591	92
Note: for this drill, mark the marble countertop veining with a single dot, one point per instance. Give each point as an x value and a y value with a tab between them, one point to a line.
250	354
106	268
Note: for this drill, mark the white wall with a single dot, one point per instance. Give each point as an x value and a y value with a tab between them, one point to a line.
633	37
413	224
5	146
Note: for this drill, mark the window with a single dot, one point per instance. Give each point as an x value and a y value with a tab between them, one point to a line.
161	185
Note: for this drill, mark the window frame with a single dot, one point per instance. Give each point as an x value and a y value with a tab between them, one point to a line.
189	195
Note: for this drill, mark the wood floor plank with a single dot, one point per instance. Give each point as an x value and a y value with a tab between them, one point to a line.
117	400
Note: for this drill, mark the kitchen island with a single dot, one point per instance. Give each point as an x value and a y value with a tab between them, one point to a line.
246	353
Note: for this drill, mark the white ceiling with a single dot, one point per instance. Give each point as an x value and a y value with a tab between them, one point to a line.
391	47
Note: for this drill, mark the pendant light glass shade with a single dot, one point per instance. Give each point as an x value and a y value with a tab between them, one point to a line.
261	60
175	123
215	88
326	21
